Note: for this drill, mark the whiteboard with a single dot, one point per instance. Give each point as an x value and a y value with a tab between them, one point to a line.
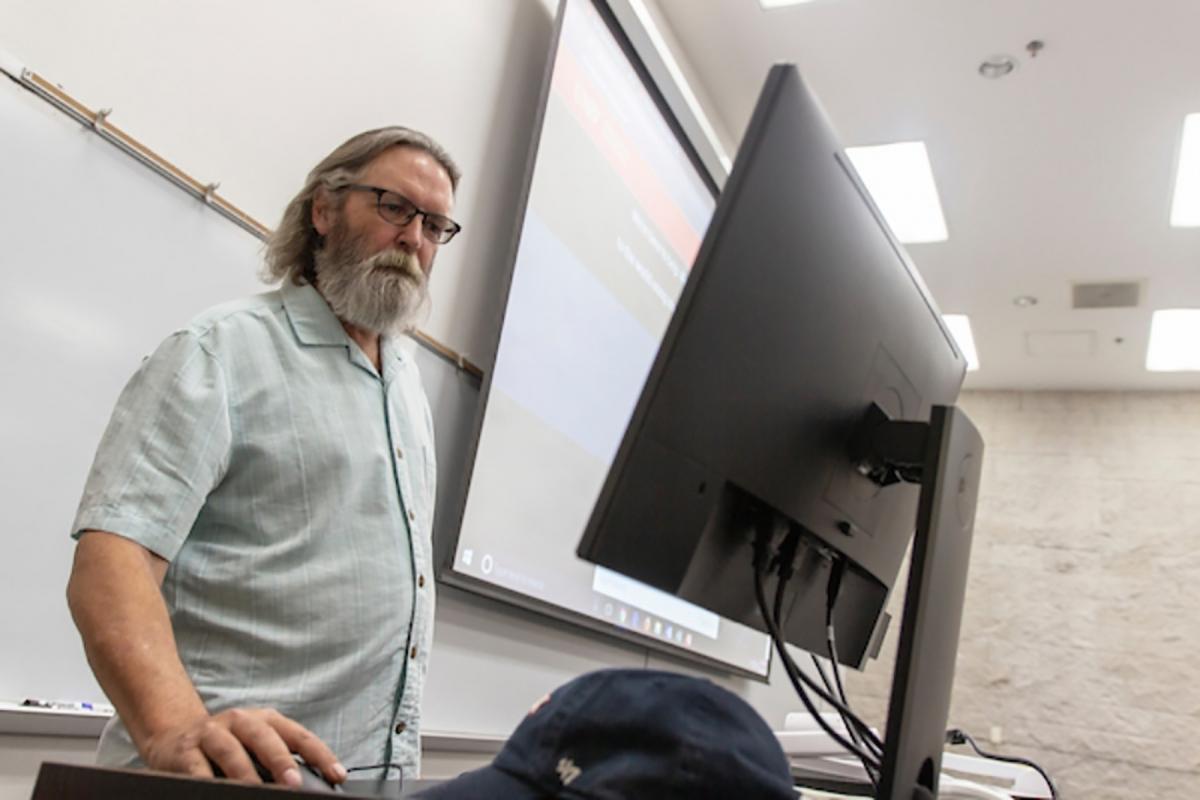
100	260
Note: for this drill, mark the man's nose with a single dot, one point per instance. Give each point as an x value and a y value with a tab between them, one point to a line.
408	237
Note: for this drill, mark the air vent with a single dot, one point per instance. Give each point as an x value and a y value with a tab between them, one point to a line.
1106	295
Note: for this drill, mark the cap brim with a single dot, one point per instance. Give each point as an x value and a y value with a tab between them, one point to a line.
486	783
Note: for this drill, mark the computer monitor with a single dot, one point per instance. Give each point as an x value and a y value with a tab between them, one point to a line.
802	390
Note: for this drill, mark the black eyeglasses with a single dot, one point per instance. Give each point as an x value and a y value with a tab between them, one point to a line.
400	211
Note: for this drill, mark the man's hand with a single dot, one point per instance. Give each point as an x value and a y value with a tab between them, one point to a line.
116	599
226	740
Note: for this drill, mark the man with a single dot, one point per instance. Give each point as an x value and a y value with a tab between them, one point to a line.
253	571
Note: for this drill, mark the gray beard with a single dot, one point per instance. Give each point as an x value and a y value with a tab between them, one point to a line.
385	293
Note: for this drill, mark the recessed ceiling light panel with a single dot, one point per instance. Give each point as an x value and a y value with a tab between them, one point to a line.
960	329
1174	333
900	181
769	4
1185	210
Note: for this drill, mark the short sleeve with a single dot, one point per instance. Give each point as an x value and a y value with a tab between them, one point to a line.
166	447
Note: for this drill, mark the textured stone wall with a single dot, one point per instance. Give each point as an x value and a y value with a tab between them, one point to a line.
1081	631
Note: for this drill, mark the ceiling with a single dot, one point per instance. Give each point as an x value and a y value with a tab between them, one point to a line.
1060	173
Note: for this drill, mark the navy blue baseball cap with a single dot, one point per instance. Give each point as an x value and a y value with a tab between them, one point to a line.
623	734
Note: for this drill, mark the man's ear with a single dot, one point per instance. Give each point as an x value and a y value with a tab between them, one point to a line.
322	211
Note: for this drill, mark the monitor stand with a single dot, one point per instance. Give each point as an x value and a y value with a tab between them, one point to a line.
946	455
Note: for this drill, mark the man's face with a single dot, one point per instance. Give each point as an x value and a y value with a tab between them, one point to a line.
374	273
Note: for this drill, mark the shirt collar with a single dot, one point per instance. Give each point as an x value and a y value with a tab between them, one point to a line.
312	319
315	323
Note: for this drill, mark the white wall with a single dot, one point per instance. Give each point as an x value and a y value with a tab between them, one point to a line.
1078	640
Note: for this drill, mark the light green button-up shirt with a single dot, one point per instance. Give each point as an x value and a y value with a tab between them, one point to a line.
291	487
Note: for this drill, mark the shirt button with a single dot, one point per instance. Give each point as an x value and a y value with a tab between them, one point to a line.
420	581
412	516
399	454
401	727
413	653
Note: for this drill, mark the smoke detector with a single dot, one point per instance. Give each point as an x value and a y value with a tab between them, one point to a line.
996	67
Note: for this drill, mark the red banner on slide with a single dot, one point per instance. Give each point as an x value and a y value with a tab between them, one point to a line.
591	109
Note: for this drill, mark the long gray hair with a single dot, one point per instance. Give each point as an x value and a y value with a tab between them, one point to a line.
291	248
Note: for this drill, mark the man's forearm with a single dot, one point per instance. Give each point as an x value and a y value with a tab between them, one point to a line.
116	600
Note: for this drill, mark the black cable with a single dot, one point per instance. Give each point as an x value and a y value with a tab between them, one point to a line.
833	589
855	736
784	561
760	568
795	675
780	585
829	687
853	723
959	736
854	727
871	741
867	738
837	570
772	627
798	678
828	684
